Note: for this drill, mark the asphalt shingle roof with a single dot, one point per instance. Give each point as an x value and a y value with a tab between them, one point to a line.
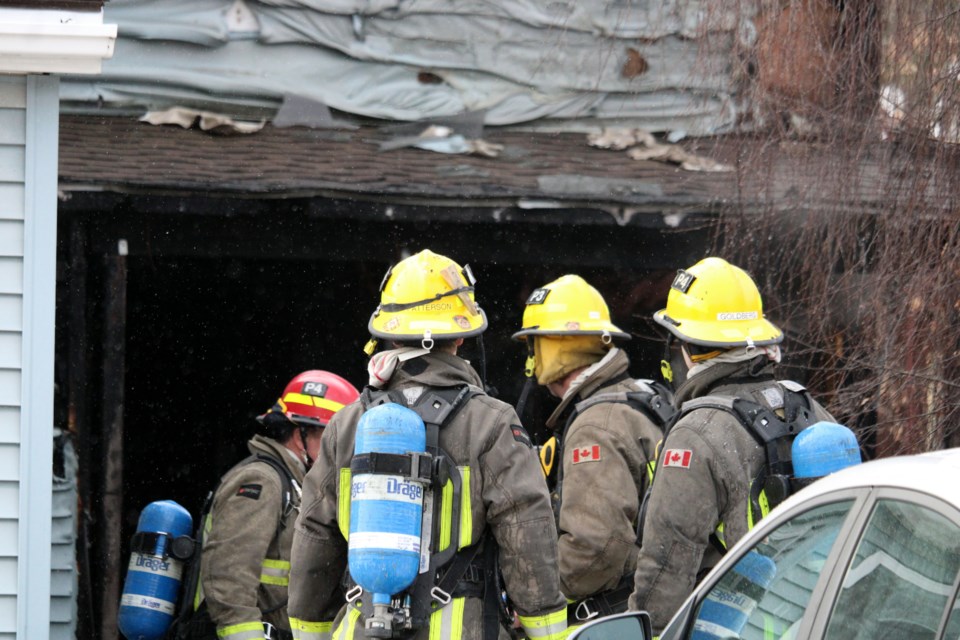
119	153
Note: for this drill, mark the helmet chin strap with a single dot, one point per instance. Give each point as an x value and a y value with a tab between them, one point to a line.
666	369
528	383
307	460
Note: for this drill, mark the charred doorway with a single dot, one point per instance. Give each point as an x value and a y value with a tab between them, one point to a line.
181	319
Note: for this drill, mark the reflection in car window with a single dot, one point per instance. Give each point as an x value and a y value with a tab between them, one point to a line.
767	591
902	575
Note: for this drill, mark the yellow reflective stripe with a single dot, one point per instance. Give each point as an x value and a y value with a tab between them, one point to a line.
323	403
764	509
447	623
347	625
719	534
446	515
552	626
466	512
651	467
343	503
242	631
275	572
198	594
303	630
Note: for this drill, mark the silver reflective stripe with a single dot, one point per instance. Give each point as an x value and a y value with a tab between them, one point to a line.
546	632
275	572
548	627
447	623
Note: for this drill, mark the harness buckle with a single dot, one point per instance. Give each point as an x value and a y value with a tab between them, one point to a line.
583	612
353	593
268	630
440	596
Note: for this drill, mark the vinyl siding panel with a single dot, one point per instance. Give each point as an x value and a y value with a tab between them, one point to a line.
11	312
9	462
10	385
11	241
8	534
63	579
11	275
12	162
9	510
9	427
8	617
13	93
12	126
11	201
10	355
13	138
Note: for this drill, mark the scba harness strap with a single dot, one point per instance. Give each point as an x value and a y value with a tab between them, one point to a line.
452	572
772	431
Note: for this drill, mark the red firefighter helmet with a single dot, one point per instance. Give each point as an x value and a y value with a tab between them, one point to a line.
312	397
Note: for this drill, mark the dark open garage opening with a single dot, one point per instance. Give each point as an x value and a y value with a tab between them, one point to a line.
181	318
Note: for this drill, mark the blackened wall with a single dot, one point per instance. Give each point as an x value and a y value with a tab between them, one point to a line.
226	300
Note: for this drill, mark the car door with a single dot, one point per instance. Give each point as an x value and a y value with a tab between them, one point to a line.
880	563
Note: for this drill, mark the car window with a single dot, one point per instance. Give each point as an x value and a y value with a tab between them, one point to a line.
902	575
952	631
765	594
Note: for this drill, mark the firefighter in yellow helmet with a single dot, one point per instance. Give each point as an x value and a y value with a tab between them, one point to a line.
502	515
710	483
606	429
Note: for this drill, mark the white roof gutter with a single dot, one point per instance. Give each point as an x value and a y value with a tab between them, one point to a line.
36	41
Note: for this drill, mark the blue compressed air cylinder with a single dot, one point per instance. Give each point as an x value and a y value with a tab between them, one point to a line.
823	448
725	611
386	511
150	590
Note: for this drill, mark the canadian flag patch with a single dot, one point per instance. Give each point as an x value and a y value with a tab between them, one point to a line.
589	453
676	458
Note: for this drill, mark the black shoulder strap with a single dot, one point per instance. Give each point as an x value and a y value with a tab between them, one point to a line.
771	432
286	482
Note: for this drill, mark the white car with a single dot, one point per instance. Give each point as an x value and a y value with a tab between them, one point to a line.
872	551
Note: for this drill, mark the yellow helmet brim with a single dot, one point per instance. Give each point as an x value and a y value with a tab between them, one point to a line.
722	333
405	326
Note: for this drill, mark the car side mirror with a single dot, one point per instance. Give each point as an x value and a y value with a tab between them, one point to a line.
633	625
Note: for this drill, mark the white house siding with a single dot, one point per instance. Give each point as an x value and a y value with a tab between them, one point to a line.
63	585
28	186
13	102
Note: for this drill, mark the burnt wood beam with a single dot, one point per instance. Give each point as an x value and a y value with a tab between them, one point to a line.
114	361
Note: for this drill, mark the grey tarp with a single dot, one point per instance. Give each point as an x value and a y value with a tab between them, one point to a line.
518	61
